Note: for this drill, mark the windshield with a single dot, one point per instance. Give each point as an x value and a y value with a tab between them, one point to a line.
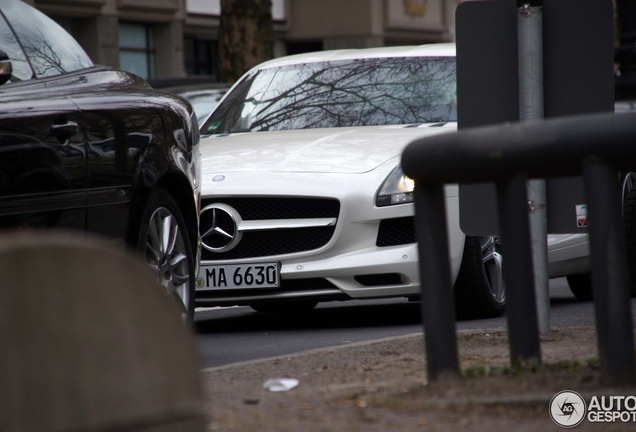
380	91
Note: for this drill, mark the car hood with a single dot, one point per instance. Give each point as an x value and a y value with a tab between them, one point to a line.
337	150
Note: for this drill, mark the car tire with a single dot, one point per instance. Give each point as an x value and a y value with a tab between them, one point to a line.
581	286
164	245
291	307
479	288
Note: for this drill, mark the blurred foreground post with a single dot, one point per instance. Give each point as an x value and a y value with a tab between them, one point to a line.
90	342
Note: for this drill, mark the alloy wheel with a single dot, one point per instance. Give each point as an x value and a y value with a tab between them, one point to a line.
493	266
166	253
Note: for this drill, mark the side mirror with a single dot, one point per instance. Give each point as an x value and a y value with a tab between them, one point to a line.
5	67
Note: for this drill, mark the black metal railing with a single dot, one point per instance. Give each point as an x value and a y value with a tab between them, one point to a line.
596	146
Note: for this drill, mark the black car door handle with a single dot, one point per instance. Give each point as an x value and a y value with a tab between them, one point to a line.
67	129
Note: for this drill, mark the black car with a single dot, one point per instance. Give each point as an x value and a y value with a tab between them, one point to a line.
90	148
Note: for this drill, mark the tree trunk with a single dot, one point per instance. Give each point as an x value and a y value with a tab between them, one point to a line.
246	36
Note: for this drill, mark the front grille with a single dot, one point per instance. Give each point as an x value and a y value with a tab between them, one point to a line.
280	208
279	241
275	242
398	231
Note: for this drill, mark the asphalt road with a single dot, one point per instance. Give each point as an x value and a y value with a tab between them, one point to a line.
231	335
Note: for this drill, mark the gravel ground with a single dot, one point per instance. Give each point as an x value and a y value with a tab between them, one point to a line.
382	386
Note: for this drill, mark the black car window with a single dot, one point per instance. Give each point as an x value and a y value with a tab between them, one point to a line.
21	71
361	92
49	48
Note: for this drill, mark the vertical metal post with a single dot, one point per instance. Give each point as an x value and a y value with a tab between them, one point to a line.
518	274
530	42
610	274
438	311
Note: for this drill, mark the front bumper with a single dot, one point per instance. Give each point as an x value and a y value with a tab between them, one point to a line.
369	273
568	254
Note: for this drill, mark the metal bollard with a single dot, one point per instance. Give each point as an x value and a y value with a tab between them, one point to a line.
523	330
438	311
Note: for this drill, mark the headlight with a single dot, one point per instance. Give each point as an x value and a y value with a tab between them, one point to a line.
396	189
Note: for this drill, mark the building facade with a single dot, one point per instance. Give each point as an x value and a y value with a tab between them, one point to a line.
143	36
178	38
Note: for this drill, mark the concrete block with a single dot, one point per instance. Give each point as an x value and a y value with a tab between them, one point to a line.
90	342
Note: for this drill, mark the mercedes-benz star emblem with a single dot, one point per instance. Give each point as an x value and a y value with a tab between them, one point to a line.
219	227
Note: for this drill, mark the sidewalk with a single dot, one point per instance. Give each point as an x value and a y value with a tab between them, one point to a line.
382	386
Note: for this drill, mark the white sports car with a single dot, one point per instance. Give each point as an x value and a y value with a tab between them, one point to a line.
303	196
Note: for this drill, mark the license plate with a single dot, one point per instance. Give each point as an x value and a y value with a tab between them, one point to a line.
239	276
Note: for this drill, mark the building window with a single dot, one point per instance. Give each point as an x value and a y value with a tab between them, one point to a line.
137	50
200	56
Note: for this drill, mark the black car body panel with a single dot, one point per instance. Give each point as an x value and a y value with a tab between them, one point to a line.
42	165
83	146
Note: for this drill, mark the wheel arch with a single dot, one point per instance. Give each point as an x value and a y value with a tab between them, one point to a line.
178	186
